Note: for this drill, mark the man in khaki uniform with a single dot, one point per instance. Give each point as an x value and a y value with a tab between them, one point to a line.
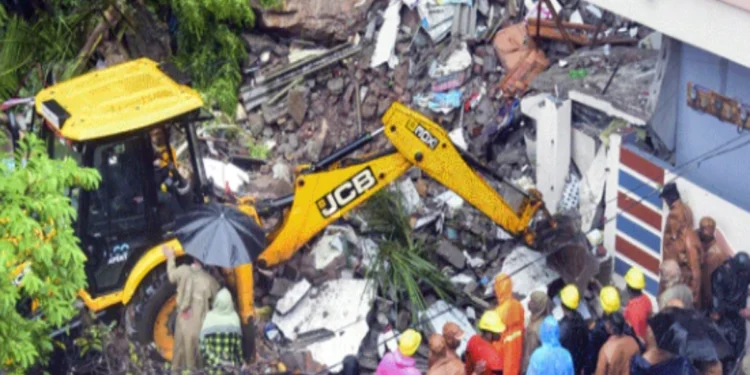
195	290
685	249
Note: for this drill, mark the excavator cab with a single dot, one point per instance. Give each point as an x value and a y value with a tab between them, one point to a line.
126	123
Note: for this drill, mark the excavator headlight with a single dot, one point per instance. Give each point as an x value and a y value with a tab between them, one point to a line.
54	113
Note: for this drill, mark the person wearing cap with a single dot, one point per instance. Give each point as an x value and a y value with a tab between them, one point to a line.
681	243
453	335
480	352
574	334
639	308
539	307
550	358
400	362
439	361
620	348
609	300
511	314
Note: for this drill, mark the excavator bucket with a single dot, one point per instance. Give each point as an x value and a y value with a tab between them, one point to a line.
568	249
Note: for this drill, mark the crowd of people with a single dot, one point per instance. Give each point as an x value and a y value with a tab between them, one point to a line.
629	337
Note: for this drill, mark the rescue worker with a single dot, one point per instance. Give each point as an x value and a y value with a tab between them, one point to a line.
511	314
550	358
656	361
453	335
682	245
195	289
615	355
400	362
639	308
729	283
221	336
674	288
609	299
714	255
679	212
574	334
440	362
479	350
539	307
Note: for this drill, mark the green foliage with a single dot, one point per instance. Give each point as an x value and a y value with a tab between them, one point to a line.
257	151
52	41
94	338
210	48
400	266
36	235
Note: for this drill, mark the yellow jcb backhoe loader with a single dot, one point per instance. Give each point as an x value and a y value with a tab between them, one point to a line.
106	119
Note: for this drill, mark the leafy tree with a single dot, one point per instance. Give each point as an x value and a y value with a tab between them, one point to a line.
36	230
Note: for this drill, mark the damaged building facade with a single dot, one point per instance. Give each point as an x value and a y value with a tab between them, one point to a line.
695	134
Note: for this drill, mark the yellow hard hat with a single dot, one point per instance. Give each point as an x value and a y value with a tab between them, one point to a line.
609	298
491	322
570	296
409	342
635	279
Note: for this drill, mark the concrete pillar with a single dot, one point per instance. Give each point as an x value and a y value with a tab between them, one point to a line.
553	142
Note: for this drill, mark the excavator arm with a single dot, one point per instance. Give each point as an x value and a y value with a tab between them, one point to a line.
323	195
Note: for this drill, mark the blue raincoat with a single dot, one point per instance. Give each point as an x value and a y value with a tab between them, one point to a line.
550	358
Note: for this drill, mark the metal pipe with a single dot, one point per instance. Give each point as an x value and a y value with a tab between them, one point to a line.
345	151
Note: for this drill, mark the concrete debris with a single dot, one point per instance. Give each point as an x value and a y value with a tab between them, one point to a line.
293	296
571	194
327	249
336	86
297	104
409	196
451	254
339	306
321	20
436	18
527	279
451	201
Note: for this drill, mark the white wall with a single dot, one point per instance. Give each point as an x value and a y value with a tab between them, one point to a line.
712	25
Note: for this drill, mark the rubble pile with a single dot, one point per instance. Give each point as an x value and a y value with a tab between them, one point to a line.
327	73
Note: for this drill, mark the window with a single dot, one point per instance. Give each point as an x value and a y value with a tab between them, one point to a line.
61	150
118	205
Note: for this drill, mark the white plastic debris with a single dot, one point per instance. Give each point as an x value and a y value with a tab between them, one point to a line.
474	262
457	137
450	200
225	174
386	42
458	61
293	296
562	63
340	306
441	313
462	279
265	57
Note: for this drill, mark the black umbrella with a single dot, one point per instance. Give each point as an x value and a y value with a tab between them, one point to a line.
220	235
689	334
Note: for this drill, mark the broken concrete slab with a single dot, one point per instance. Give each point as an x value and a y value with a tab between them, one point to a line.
297	104
386	40
451	254
340	306
592	189
553	118
327	249
583	150
410	198
317	19
440	313
293	296
536	273
225	174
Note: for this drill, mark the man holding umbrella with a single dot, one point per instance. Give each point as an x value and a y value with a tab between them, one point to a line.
729	285
195	289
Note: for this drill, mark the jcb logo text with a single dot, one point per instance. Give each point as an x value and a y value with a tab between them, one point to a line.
347	192
426	137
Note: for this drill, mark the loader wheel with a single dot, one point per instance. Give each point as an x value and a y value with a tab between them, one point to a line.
149	318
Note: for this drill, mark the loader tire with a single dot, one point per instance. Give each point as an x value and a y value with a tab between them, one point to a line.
149	315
